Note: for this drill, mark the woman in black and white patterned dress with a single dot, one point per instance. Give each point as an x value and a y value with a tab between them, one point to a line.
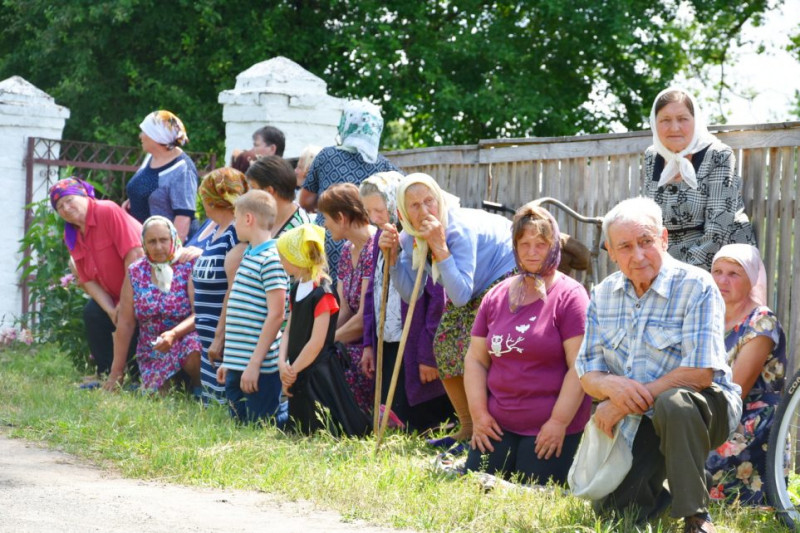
693	177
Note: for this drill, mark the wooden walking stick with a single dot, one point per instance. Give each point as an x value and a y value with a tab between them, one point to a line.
379	364
399	361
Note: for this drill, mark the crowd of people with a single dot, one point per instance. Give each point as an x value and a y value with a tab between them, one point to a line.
280	318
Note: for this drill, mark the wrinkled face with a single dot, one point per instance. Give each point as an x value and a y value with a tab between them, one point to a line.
420	202
376	209
675	126
73	209
638	252
532	250
157	242
732	280
260	146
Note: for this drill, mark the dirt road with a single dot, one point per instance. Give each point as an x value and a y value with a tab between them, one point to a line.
47	491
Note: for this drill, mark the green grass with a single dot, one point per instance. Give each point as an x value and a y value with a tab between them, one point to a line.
172	439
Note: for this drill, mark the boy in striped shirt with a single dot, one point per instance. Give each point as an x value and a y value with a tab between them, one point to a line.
254	316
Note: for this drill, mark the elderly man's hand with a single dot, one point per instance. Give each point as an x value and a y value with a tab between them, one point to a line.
629	396
606	417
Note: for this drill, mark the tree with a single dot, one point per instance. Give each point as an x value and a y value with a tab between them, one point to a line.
454	71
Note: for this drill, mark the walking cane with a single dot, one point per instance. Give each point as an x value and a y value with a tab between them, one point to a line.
379	369
399	361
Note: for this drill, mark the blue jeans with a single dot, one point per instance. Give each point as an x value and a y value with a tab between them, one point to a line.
260	405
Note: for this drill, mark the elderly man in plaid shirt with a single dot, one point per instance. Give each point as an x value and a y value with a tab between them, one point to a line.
654	357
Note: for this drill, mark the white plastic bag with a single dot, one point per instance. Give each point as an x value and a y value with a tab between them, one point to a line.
600	464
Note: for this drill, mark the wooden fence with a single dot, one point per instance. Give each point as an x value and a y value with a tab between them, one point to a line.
591	173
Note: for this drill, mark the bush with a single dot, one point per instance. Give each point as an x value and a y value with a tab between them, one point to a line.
56	301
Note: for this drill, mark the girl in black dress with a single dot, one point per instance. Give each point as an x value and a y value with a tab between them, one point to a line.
311	371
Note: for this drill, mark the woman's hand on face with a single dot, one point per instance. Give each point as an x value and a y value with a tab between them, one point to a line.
485	429
427	373
550	439
165	341
433	232
189	253
367	363
389	243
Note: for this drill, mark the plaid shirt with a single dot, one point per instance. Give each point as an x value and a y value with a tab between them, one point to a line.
678	322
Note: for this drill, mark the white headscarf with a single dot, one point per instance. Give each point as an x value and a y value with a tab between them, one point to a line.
164	128
748	256
162	271
676	163
444	200
360	129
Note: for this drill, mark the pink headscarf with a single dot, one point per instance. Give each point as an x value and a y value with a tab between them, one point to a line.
750	259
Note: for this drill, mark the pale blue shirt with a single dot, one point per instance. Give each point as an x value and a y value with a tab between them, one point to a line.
480	253
678	322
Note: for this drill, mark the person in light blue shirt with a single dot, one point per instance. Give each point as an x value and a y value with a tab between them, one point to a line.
654	356
466	251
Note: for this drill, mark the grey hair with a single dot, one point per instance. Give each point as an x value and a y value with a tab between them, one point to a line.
641	210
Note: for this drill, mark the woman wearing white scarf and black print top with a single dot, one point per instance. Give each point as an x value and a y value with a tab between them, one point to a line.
693	178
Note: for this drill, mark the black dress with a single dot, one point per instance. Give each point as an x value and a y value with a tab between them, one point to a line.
321	397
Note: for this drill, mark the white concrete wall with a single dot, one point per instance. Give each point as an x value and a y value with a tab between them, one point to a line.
25	112
280	93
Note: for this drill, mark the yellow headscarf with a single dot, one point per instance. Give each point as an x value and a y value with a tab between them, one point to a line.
294	246
420	245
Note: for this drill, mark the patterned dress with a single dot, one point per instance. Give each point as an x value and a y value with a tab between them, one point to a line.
738	466
157	312
700	221
210	286
351	278
332	166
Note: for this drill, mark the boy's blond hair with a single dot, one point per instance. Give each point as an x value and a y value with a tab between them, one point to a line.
261	205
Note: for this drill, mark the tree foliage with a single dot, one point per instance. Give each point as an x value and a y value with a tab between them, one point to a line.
453	71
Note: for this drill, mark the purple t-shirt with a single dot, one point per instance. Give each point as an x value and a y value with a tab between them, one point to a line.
528	362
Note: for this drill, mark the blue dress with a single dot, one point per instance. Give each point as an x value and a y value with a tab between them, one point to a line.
333	166
210	286
738	467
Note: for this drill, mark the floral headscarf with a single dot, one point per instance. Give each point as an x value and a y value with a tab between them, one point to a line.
71	186
386	183
747	256
221	187
294	244
163	271
360	129
164	128
516	293
677	163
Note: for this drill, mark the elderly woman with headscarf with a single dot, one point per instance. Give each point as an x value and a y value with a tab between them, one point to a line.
757	355
693	178
352	161
157	295
528	407
466	251
214	270
419	400
166	183
102	241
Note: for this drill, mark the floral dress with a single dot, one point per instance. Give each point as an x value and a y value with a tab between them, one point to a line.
351	278
157	312
738	467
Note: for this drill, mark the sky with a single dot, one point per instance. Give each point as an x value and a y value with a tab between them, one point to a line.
772	76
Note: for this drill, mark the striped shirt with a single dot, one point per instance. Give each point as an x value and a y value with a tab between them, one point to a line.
259	273
678	322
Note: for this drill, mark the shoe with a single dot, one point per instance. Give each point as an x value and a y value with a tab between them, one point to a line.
443	442
699	523
394	421
89	385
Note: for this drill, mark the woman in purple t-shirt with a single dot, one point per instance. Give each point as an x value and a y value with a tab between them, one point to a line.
527	405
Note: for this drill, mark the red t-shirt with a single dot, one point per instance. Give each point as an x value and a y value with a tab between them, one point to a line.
99	253
528	362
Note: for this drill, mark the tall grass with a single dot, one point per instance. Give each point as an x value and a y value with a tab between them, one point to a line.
173	439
